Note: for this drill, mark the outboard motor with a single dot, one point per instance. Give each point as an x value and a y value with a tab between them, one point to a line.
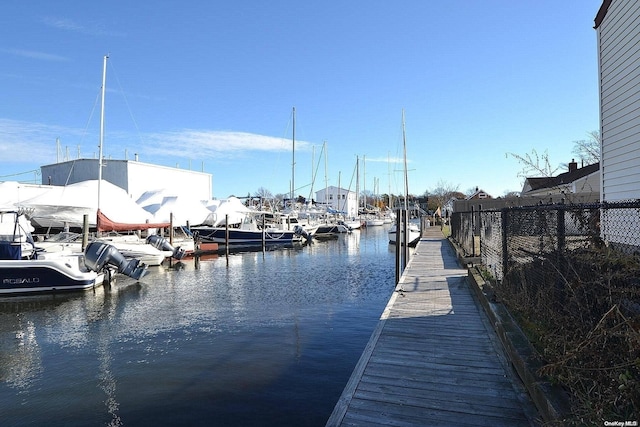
300	231
99	255
163	244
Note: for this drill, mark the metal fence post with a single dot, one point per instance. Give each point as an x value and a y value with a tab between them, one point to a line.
479	231
504	212
562	231
561	256
473	233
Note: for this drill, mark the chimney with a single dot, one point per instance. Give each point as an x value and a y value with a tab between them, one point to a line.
573	166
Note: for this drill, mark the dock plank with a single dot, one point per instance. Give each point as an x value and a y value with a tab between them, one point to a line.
433	360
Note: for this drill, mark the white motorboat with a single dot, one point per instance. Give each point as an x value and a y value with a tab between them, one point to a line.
25	268
152	251
413	237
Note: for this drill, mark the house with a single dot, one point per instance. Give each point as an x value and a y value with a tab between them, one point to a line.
478	197
338	199
618	28
479	194
573	183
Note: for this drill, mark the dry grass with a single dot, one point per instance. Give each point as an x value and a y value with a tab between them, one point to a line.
581	311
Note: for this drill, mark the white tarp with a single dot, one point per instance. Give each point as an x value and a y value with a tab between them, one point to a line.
162	203
12	193
232	208
66	205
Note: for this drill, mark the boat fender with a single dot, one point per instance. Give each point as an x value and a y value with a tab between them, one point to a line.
100	255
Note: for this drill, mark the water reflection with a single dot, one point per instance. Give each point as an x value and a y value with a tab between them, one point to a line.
187	338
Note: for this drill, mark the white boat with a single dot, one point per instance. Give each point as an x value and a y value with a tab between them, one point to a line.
133	247
60	207
351	224
413	237
25	268
373	222
151	251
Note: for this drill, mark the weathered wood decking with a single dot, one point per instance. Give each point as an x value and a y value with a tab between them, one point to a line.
432	360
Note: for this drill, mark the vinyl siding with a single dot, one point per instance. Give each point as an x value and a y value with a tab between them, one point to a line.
619	61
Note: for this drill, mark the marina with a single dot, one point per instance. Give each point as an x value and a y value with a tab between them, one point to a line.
256	339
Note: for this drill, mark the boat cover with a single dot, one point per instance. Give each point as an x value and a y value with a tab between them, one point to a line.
105	224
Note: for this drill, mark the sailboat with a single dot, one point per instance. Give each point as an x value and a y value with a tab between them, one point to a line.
155	248
256	229
77	204
414	232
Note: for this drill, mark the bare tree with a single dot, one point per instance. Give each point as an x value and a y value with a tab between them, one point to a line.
441	194
534	164
539	165
588	150
264	193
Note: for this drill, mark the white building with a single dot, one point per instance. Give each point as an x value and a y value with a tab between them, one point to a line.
618	27
338	199
132	176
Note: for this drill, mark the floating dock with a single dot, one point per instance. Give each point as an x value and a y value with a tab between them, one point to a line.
433	359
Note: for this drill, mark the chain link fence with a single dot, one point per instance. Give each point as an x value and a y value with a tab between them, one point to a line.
570	274
519	235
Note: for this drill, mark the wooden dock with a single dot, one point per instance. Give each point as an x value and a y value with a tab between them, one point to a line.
433	359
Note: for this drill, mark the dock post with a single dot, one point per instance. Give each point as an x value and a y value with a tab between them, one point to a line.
85	231
171	228
405	240
226	235
398	267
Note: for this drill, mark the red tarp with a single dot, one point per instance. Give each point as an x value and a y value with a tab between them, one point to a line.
105	224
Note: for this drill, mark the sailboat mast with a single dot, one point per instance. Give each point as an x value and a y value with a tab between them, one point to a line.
390	199
326	182
357	186
293	160
364	182
338	207
406	180
104	86
313	161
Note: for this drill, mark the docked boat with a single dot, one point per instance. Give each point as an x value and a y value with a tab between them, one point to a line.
151	251
330	230
248	233
25	268
413	237
373	222
351	224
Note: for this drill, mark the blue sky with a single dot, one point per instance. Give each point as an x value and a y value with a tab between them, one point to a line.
210	86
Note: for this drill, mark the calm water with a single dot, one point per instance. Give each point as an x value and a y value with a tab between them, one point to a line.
260	339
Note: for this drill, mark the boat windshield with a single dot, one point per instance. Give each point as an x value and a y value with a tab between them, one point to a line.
64	237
